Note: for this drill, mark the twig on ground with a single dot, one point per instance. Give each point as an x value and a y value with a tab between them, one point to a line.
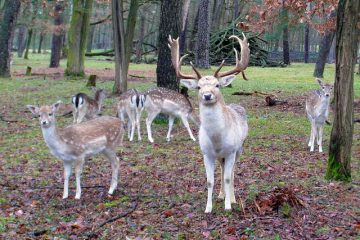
136	76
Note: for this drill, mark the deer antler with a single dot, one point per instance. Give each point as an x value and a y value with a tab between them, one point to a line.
242	64
176	60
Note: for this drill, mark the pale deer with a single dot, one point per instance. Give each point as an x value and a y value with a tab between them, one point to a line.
130	106
223	128
78	141
86	108
317	110
171	103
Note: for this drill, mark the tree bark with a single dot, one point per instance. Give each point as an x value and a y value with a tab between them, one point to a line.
139	48
306	43
286	48
339	167
34	42
120	85
325	46
184	25
170	24
194	32
57	37
203	36
21	41
92	30
41	41
77	37
7	27
28	43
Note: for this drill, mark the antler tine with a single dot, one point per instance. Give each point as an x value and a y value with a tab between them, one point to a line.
241	64
219	68
177	61
196	71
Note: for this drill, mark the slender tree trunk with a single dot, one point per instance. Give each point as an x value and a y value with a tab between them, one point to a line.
236	9
41	41
34	43
170	24
184	24
203	36
56	44
194	32
92	31
77	37
28	43
139	48
286	48
21	41
7	27
306	43
339	167
120	85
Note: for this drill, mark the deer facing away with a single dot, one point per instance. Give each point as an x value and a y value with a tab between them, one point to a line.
130	105
223	128
86	108
78	141
172	103
317	110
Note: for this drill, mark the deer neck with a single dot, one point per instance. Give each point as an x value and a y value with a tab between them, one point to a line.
212	117
51	137
324	103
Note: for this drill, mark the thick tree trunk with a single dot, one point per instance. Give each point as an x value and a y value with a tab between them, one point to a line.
306	43
203	36
77	37
342	132
57	37
28	43
120	85
325	46
21	41
41	40
7	27
170	24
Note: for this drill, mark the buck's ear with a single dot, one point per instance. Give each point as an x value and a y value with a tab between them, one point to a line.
226	80
56	106
189	83
320	81
33	109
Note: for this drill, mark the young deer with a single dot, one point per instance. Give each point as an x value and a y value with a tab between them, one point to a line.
130	105
223	128
172	103
86	108
317	110
76	142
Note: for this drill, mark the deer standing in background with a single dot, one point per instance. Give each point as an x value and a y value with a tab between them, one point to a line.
130	105
76	142
86	108
317	110
223	128
169	102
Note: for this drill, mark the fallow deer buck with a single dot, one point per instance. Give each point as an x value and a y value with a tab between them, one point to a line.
86	108
171	103
223	128
317	110
130	106
78	141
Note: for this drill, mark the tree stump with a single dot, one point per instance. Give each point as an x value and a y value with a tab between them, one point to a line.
92	81
28	71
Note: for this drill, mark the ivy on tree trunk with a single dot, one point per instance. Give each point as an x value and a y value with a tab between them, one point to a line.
341	139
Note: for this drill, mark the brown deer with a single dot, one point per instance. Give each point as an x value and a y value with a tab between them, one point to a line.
223	128
317	109
169	102
86	108
78	141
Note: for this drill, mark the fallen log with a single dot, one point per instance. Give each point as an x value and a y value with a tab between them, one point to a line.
273	101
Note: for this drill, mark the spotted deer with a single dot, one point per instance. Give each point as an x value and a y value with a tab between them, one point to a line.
223	128
171	103
86	108
130	106
78	141
317	110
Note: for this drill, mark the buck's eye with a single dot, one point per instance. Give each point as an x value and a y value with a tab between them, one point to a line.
50	114
38	115
217	85
198	87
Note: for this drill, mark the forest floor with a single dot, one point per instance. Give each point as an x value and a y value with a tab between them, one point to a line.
279	185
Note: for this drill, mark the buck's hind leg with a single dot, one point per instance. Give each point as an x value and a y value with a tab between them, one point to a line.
79	164
210	168
186	124
150	118
114	160
67	173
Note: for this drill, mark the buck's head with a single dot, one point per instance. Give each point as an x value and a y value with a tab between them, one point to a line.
99	94
326	88
46	114
209	86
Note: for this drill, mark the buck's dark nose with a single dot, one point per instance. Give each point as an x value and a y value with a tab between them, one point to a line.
327	94
207	97
43	122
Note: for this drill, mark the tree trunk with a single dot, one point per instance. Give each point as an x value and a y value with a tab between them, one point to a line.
41	41
342	132
203	42
194	32
236	9
56	44
306	43
184	25
170	24
77	37
286	48
139	48
120	85
92	31
332	52
28	43
21	41
7	27
34	43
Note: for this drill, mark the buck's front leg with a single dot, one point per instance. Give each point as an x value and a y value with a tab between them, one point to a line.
67	173
228	171
210	168
79	164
